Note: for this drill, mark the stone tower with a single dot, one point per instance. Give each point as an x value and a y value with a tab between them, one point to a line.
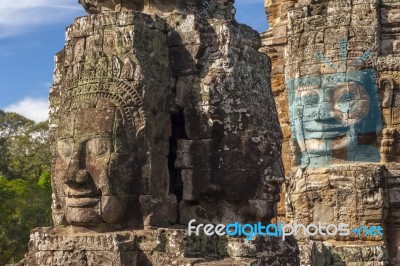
335	78
161	113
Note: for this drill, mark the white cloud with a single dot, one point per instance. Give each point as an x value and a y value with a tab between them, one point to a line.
19	16
36	109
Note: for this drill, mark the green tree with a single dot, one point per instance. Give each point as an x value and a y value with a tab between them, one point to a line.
25	191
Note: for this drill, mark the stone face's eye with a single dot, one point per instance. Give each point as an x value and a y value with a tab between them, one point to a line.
98	146
350	103
310	98
347	92
65	149
347	97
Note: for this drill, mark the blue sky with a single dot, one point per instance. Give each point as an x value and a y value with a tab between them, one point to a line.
32	31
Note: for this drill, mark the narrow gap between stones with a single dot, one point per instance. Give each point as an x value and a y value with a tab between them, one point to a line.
178	132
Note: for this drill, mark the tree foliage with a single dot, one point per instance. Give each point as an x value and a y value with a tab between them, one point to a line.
25	191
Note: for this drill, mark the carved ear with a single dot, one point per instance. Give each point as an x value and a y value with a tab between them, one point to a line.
57	212
386	84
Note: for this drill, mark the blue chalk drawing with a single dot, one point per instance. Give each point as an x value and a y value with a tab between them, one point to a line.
343	49
364	57
326	61
333	114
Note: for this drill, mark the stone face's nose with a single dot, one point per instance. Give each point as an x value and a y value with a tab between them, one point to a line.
325	114
81	177
77	172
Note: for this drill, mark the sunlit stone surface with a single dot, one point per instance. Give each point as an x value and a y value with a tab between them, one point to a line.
335	79
161	112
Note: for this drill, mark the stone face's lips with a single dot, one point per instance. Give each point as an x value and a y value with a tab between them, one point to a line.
71	193
328	132
82	202
328	129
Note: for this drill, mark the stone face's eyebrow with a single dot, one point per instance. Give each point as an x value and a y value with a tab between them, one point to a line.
306	88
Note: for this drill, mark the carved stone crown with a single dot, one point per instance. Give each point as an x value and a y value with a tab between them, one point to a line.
341	56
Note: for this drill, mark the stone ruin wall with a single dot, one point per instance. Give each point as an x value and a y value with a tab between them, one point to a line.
163	81
314	45
179	78
161	112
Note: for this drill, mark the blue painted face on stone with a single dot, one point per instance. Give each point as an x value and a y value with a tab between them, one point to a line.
334	117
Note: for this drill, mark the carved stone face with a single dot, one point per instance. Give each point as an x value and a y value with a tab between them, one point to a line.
330	112
93	167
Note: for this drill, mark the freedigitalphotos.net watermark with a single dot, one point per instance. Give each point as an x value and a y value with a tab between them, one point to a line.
281	230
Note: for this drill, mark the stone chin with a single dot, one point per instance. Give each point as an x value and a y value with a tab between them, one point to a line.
94	211
326	146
